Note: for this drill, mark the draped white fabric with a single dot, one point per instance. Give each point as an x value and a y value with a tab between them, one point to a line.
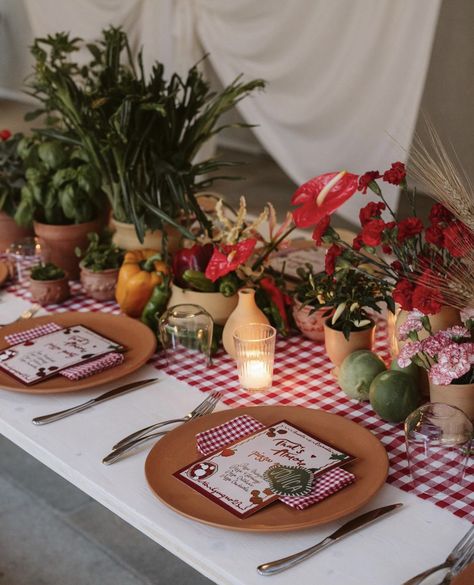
344	77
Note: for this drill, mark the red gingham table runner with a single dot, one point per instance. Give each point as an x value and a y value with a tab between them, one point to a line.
302	377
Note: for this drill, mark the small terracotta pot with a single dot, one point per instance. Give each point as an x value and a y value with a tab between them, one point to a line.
10	231
125	237
48	292
61	242
215	303
99	285
460	395
447	317
311	324
338	347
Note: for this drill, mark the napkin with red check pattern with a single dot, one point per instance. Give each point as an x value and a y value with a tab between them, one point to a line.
73	373
237	428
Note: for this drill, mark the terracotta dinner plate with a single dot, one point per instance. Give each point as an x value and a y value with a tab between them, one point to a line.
178	448
466	577
139	341
4	272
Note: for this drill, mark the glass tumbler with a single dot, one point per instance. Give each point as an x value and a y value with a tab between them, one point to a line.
24	254
255	354
438	441
186	335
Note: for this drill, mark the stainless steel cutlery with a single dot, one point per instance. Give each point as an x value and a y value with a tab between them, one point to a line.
47	418
280	565
27	314
143	435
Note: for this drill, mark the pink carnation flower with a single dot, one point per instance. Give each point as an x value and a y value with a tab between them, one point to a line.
439	375
435	343
409	350
458	331
409	326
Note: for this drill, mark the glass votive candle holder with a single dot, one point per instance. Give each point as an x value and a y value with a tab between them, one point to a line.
255	354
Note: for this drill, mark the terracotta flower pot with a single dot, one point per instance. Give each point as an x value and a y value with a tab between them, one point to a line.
47	292
215	303
61	242
311	324
460	395
10	231
126	238
338	347
447	317
99	285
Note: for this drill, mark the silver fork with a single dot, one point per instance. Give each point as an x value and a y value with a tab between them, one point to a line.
462	548
27	314
465	559
211	398
206	407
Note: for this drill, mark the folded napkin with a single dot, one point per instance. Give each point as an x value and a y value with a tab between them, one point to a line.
73	373
237	428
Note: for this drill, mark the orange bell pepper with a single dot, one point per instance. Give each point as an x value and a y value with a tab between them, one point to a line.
140	272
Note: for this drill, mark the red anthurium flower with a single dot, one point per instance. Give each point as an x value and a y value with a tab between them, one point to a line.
229	258
322	196
5	134
320	229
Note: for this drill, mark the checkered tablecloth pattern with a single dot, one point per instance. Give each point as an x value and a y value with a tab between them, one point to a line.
302	377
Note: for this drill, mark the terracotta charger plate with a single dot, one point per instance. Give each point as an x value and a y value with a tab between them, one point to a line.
178	449
466	577
139	341
4	272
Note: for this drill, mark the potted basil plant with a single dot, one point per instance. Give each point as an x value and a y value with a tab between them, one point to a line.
48	284
100	266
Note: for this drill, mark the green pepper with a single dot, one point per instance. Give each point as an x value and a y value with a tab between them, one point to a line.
156	305
229	284
198	281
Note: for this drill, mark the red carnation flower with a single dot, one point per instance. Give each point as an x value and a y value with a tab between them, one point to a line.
403	294
229	258
457	239
372	232
330	260
439	214
386	249
366	179
434	235
396	174
357	242
5	134
372	210
426	300
408	228
320	229
397	266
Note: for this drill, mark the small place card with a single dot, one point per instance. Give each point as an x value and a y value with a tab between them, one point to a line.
40	358
237	477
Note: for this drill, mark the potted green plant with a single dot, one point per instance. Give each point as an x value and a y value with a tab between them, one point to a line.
350	297
12	179
141	133
61	197
48	284
100	265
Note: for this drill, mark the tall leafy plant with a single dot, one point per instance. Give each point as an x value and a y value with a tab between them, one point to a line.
142	133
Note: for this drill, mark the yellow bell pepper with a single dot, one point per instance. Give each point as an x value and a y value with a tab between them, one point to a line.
140	272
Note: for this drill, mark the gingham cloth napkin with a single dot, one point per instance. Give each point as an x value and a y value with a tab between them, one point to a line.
73	373
237	428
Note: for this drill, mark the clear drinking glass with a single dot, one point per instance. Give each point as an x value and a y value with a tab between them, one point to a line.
186	335
438	441
255	354
24	254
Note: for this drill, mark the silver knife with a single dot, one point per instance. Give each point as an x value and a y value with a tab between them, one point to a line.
47	418
280	565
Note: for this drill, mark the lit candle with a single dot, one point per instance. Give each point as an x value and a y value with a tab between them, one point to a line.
256	375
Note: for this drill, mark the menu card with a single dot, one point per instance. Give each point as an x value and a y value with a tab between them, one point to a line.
236	477
37	359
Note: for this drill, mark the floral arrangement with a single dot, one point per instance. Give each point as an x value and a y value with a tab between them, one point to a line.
235	255
426	266
447	355
351	297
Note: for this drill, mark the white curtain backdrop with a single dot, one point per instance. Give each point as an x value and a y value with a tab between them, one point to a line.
345	77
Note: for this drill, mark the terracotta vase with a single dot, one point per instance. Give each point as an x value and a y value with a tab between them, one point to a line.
245	312
10	231
61	242
460	395
99	285
311	324
215	303
48	292
338	347
125	237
